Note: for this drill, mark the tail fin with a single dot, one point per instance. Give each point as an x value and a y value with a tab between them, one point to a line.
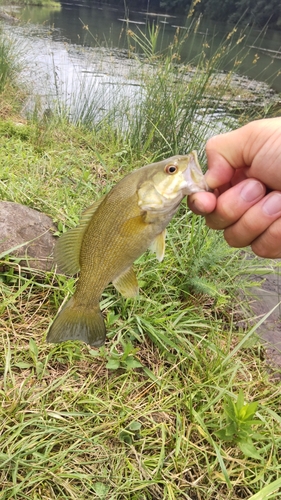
77	323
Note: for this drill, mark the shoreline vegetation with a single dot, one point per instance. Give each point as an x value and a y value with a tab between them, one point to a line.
179	403
39	3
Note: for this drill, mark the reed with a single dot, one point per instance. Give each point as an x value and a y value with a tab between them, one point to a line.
9	61
172	106
181	104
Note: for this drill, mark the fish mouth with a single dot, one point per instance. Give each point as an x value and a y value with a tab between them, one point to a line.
193	176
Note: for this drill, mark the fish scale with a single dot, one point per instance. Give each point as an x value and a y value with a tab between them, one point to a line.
112	234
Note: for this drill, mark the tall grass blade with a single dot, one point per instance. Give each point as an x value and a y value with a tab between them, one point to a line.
269	491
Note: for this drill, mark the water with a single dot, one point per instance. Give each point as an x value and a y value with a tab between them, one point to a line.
86	81
105	27
79	51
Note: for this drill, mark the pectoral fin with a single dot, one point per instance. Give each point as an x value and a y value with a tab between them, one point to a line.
67	249
127	283
158	245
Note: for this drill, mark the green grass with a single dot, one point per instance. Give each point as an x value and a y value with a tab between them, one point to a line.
145	416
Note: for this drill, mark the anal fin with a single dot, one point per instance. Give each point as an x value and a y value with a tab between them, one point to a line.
127	283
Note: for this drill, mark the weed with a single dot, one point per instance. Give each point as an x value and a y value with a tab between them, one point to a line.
115	359
238	427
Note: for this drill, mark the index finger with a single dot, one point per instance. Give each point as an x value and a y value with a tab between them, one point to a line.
234	202
202	203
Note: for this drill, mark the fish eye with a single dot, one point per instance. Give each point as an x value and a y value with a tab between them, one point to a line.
171	169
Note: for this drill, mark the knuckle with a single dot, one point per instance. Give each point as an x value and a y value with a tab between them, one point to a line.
215	222
261	251
268	245
231	239
210	224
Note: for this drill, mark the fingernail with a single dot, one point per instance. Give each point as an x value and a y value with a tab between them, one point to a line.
252	190
273	204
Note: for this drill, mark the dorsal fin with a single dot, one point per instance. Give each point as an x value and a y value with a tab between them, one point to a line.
67	249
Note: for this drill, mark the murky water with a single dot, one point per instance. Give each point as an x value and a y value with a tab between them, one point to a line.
84	80
77	52
106	26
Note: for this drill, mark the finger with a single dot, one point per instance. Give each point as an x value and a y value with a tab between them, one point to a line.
224	155
268	244
240	175
254	148
219	169
255	221
202	203
234	202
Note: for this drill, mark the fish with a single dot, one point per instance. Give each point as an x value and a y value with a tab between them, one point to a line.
112	233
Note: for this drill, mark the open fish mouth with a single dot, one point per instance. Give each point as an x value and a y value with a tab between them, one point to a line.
194	177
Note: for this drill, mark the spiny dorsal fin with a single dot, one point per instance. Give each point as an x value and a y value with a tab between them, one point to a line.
158	245
127	283
67	249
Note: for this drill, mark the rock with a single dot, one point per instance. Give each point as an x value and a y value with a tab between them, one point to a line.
266	298
21	225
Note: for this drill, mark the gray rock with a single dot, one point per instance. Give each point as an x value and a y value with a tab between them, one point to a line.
26	234
266	298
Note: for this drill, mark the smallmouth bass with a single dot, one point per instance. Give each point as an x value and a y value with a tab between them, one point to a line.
112	234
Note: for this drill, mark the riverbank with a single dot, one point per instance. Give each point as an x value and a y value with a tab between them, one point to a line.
40	3
178	403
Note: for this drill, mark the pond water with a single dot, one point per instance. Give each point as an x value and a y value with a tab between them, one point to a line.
106	25
82	47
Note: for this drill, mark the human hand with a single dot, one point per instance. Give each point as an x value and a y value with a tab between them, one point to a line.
244	165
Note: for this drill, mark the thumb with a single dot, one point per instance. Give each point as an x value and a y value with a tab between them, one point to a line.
224	155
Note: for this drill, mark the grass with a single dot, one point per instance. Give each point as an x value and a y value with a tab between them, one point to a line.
146	416
9	62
